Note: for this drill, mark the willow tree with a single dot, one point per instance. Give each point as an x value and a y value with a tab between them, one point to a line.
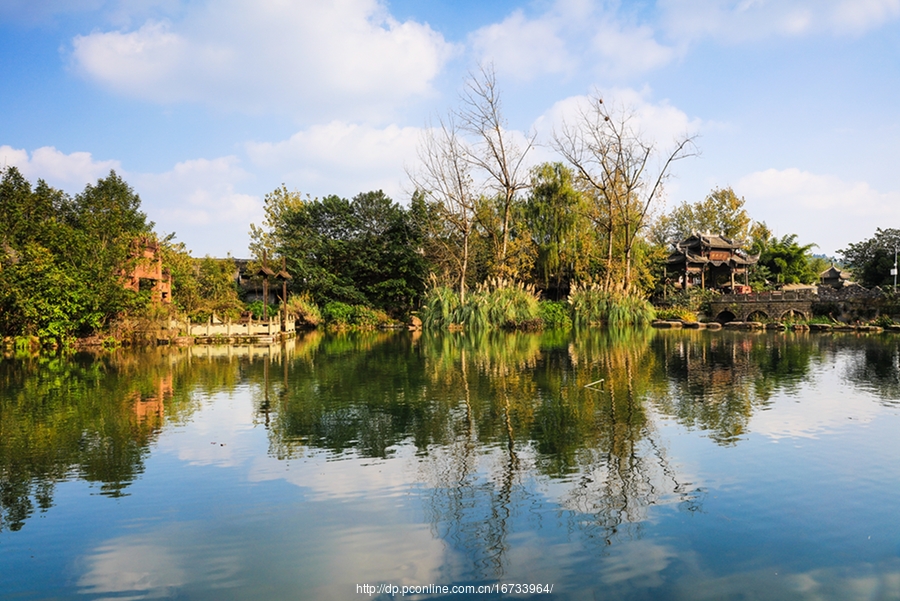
624	171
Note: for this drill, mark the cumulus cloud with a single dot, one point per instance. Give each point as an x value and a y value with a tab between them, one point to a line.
571	36
303	58
68	172
658	122
825	209
201	201
752	19
524	48
341	158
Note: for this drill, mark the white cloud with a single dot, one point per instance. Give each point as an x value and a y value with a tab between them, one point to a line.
822	208
658	122
70	172
626	50
199	199
731	21
305	57
523	48
572	36
341	158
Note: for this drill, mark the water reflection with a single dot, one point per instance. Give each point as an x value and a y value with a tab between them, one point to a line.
506	444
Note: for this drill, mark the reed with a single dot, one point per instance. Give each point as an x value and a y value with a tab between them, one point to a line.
590	305
497	303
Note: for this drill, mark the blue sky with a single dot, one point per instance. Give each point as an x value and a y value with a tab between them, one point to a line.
205	106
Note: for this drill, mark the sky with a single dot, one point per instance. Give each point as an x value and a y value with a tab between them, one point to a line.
205	106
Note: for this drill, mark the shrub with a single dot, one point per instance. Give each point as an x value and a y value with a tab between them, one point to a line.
302	307
343	316
554	314
256	309
676	313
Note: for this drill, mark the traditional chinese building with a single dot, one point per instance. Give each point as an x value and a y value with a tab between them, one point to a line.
710	261
834	277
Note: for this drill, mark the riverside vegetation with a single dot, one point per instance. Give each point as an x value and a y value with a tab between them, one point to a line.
484	242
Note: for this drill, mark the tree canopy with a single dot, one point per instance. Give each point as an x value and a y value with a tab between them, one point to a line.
872	259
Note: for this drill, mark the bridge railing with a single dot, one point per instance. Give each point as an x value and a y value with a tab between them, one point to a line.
767	297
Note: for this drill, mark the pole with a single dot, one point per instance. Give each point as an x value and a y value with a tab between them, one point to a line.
894	270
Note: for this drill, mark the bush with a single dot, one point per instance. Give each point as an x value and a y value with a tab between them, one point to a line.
343	316
676	313
303	308
256	309
555	314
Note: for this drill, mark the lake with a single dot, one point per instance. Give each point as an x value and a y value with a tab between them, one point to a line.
640	464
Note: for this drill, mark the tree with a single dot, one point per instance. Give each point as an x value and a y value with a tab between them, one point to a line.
721	212
872	259
618	164
555	216
494	151
787	261
359	251
445	177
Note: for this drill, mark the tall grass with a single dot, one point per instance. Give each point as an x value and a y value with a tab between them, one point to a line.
590	305
497	303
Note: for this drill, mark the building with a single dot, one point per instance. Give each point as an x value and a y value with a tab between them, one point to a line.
710	261
147	273
834	277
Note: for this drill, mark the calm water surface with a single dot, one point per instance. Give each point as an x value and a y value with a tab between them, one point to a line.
643	465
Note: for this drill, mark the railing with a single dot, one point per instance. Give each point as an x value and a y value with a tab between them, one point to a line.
215	327
768	297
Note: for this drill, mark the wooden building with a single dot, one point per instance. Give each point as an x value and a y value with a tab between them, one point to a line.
834	277
710	261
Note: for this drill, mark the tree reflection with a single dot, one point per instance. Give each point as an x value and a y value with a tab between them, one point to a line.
85	417
874	365
715	381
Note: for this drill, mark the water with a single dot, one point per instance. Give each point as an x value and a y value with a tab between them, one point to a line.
642	465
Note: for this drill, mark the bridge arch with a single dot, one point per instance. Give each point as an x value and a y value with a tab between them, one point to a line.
792	314
725	316
758	315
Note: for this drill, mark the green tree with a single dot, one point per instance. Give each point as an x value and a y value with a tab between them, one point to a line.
787	261
359	251
721	212
61	259
872	259
555	214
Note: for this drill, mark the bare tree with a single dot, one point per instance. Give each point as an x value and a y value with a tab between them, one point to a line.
444	175
624	172
494	151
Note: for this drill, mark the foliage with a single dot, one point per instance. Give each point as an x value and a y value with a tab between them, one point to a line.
555	315
555	216
592	305
872	259
201	287
676	313
61	258
721	212
361	251
256	309
343	316
302	307
787	261
497	303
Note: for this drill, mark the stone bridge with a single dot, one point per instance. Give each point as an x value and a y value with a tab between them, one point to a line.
763	306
